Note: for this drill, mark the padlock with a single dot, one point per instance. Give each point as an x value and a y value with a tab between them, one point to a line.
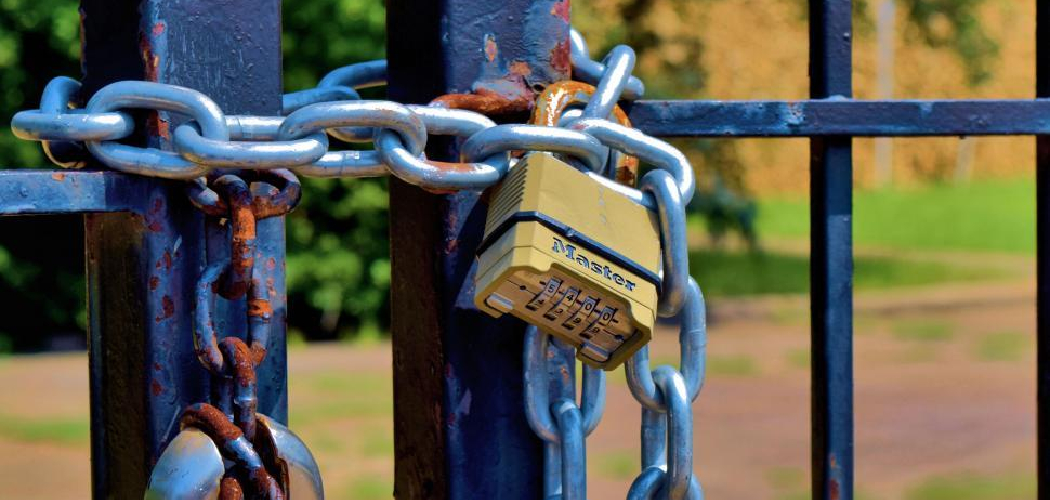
297	469
572	256
190	468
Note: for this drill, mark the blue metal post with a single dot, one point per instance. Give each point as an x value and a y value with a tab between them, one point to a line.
460	428
831	260
143	264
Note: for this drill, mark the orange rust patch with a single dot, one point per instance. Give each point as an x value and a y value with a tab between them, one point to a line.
158	28
560	58
520	68
58	176
154	282
156	388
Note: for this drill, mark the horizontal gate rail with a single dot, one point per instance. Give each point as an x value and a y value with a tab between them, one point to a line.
36	192
840	116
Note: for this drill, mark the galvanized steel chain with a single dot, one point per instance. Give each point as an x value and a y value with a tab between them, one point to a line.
271	150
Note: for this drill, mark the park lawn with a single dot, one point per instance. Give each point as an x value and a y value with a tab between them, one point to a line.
734	273
988	215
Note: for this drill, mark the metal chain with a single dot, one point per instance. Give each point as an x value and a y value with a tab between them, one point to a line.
272	149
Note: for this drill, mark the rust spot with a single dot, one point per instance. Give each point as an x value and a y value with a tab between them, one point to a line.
520	68
561	10
157	367
158	28
156	388
58	176
260	308
833	489
164	262
271	263
162	128
230	489
151	60
491	48
486	102
153	219
560	58
451	246
167	307
243	369
154	282
211	421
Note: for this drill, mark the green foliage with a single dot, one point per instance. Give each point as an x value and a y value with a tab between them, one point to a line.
955	24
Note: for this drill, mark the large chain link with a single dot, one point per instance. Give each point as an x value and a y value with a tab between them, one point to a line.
205	140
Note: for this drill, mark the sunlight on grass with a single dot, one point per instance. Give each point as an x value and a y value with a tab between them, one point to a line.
378	442
983	215
722	273
732	366
369	488
975	487
1004	346
799	358
618	464
786	478
63	431
332	395
922	330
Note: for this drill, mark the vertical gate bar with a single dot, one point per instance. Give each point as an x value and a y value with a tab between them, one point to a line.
143	265
459	422
831	259
1042	192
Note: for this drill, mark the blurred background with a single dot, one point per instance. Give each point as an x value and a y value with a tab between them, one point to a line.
944	231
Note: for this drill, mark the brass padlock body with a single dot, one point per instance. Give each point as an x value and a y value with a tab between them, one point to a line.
572	256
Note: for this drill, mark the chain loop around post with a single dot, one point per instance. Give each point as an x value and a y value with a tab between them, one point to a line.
161	97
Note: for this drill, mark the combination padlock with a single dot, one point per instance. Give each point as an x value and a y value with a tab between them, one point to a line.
572	256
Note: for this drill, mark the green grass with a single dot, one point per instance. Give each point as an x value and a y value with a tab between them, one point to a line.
378	442
733	366
995	215
618	464
73	431
923	330
799	358
724	273
338	395
369	488
1003	346
975	487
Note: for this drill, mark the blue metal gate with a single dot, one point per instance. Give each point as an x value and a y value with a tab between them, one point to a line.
146	244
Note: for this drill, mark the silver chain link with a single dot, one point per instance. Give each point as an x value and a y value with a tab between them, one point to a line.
204	139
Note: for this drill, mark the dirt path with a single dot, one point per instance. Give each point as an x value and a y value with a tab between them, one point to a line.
944	388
